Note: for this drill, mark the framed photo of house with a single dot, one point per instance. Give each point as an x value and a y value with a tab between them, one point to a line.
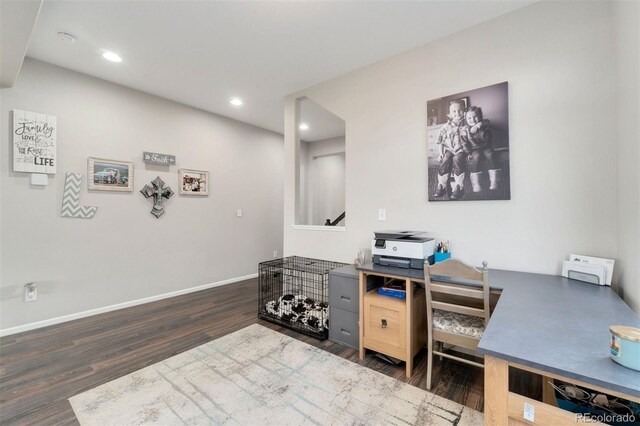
193	182
109	175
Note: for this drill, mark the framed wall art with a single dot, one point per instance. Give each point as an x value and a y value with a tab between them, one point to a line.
109	175
193	182
34	142
468	145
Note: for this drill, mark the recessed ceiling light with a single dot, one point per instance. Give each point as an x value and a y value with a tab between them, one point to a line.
68	37
304	126
110	56
236	101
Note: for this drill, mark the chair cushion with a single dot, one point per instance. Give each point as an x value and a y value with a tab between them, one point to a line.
452	322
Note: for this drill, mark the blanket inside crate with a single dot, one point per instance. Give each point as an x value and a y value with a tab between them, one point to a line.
300	309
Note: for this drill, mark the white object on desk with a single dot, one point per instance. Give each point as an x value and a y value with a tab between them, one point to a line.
607	263
594	274
529	412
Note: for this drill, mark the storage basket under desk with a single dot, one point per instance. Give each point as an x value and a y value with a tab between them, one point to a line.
293	292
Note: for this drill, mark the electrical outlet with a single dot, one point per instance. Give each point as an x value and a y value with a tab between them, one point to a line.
382	215
275	254
30	292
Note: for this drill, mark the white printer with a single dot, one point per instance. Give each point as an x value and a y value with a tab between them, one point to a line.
402	249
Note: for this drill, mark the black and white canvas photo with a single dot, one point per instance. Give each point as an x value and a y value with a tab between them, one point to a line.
468	145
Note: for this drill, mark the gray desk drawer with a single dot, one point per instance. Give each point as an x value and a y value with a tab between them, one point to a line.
343	328
343	293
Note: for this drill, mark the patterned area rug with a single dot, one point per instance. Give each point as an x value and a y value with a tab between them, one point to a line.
257	376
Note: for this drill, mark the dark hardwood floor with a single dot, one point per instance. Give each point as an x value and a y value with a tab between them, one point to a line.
41	369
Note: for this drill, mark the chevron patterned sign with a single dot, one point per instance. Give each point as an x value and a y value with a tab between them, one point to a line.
71	199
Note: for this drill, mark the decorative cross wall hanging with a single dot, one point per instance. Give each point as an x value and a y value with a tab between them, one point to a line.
157	191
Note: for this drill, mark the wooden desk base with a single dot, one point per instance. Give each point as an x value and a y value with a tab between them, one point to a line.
502	408
412	343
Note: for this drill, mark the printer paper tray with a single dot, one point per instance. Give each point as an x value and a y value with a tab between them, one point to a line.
395	262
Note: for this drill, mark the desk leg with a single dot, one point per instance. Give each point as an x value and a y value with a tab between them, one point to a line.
409	324
496	391
362	288
548	393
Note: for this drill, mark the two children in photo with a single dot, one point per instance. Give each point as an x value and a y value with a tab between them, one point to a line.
465	139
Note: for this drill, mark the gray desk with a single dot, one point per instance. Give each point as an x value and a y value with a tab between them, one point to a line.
548	325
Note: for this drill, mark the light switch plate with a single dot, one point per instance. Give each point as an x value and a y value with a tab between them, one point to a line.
239	212
382	215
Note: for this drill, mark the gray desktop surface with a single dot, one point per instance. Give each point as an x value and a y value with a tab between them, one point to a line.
348	271
553	324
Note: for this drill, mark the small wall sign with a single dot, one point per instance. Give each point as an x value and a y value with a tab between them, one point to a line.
34	142
155	158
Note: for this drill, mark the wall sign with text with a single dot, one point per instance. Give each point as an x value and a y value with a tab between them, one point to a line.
34	142
156	158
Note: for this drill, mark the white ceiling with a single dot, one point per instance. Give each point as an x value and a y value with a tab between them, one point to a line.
201	53
322	123
17	21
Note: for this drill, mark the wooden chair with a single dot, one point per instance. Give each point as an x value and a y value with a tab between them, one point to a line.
457	308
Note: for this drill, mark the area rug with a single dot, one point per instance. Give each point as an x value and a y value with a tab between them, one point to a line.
257	376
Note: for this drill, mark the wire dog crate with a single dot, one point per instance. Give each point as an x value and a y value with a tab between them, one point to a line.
294	293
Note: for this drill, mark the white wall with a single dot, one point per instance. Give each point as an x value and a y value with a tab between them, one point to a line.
626	25
124	253
327	188
331	153
557	58
304	214
326	180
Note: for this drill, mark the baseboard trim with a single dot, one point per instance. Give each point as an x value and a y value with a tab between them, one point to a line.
96	311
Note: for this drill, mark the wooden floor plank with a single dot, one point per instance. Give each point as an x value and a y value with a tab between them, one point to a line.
41	369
